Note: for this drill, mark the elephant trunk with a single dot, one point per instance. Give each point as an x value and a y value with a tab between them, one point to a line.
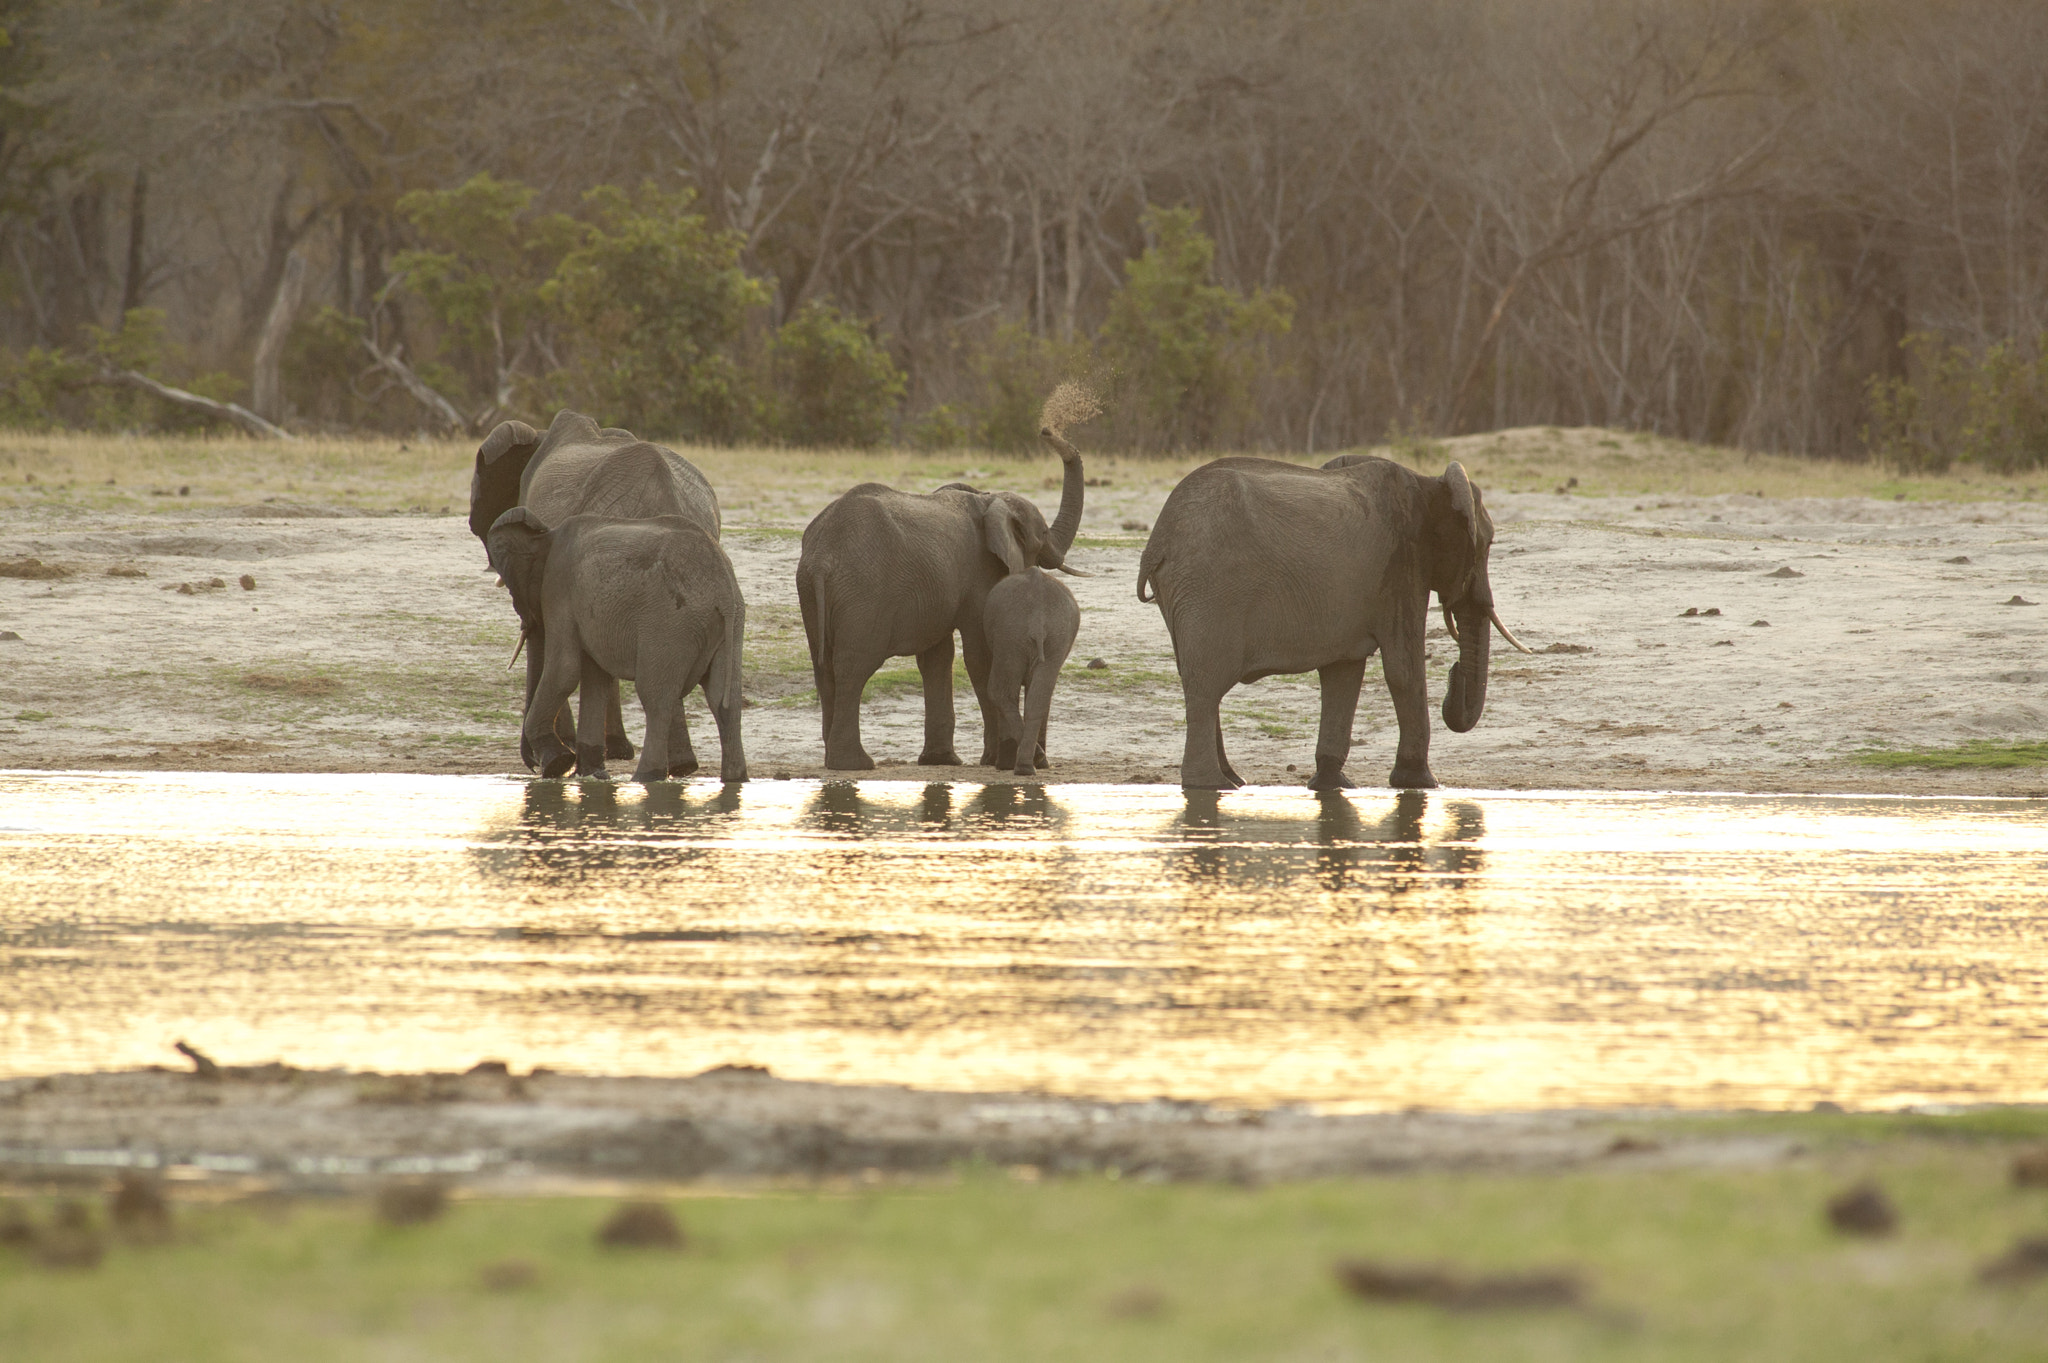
1068	523
1465	701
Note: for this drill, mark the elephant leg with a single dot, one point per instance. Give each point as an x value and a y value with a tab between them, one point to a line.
616	744
551	687
935	669
722	693
1037	712
843	750
661	697
1408	684
1005	680
979	657
821	671
590	709
558	721
682	757
1341	683
1202	764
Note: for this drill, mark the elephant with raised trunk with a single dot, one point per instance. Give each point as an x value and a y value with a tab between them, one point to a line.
577	468
652	601
1262	567
886	573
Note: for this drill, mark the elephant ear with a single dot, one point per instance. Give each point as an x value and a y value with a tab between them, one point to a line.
505	436
1003	536
518	546
500	463
1464	502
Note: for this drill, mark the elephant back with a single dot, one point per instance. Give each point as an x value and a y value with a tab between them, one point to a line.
612	474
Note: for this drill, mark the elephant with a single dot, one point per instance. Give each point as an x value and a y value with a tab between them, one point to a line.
578	468
1029	622
652	600
1263	567
884	573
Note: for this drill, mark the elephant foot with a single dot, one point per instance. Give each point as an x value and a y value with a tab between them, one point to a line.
1024	769
1411	778
945	757
648	776
1330	776
618	746
554	762
732	773
857	760
681	767
526	754
590	763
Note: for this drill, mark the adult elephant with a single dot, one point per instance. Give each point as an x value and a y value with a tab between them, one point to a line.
1262	567
579	468
886	573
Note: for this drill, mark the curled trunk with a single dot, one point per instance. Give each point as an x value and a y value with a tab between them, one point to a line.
1465	700
1068	523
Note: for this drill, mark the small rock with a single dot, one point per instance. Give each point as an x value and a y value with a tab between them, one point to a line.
1787	571
1567	648
2027	1259
641	1225
509	1275
186	589
1688	611
1784	705
185	490
1722	643
216	583
1959	558
410	1203
2030	1168
1290	766
1097	664
1759	624
1135	525
1863	1210
8	636
1711	610
248	583
1456	1291
2017	600
125	570
489	1069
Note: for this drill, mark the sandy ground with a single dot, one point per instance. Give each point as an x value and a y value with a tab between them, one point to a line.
373	643
328	1128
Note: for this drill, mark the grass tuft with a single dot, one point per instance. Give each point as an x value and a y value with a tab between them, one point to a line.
1978	752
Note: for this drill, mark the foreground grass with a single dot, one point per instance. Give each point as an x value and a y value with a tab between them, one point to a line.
1707	1265
1978	752
143	474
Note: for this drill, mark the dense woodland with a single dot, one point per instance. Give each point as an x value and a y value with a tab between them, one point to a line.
1801	225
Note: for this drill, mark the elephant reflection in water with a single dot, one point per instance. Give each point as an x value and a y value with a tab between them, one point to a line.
1393	853
839	807
561	837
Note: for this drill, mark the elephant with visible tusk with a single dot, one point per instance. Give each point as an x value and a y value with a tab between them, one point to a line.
1263	567
578	468
885	573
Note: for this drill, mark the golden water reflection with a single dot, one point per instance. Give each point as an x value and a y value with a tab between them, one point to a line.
1470	950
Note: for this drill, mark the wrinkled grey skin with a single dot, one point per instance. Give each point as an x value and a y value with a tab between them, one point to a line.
578	468
1030	622
886	573
653	601
1262	567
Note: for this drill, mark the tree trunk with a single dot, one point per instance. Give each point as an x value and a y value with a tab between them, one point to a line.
232	411
266	387
138	201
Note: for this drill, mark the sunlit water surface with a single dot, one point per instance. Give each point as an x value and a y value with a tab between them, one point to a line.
1472	950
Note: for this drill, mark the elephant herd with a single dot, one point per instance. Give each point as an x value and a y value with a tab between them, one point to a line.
609	546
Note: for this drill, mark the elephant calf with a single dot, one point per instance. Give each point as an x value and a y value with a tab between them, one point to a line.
652	601
1030	622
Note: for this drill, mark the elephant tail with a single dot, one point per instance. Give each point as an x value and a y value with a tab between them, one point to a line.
1148	568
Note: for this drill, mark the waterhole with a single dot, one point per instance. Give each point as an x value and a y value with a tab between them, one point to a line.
1364	950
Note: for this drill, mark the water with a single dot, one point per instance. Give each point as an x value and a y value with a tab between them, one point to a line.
1370	950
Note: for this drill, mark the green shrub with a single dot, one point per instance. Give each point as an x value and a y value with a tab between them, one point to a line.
46	389
1182	348
655	299
1988	408
1015	371
834	382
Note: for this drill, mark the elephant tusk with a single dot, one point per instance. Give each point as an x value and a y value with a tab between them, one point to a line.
517	649
1072	572
1449	624
1508	634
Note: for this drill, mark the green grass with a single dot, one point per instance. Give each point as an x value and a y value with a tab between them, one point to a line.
1689	1265
1978	752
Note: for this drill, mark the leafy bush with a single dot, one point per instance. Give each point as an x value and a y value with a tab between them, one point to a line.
656	300
44	389
1182	348
1016	370
1988	408
834	383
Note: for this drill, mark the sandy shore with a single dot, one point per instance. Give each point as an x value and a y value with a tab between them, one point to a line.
377	643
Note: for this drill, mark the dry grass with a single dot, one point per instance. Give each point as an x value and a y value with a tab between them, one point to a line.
59	473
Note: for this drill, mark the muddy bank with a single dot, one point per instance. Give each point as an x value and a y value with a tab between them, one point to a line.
300	1128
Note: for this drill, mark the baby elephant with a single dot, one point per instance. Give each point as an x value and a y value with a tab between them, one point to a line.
1030	622
654	601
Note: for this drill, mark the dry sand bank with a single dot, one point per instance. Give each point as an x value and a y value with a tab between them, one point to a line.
376	642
